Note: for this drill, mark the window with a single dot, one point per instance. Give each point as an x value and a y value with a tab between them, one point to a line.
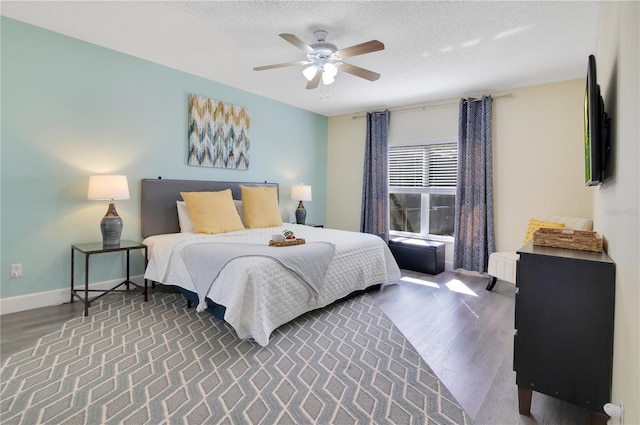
422	189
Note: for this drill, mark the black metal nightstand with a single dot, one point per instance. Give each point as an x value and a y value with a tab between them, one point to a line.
89	249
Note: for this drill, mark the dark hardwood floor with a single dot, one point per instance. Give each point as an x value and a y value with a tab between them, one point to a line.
464	333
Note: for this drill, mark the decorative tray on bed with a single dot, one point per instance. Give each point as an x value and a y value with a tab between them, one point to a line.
287	242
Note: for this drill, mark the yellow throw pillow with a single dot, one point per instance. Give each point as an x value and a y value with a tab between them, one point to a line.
536	224
212	212
260	206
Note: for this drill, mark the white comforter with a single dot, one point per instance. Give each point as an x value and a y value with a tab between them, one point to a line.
258	292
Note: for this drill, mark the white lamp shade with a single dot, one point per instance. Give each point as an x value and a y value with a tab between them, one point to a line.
310	72
108	187
329	73
301	192
327	79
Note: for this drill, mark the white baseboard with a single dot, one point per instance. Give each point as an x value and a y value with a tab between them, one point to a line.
55	297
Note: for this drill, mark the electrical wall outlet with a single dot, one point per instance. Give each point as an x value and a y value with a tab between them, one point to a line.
16	270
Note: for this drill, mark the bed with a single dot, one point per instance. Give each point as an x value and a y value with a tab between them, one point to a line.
237	276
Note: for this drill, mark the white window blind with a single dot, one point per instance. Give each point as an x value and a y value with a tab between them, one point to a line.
432	165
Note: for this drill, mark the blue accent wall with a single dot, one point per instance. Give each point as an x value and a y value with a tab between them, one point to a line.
71	109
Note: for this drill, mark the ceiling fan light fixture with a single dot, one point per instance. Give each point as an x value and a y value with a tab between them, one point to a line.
327	79
324	59
310	72
329	71
330	68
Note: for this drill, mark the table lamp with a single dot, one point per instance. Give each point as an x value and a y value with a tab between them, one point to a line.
109	187
301	192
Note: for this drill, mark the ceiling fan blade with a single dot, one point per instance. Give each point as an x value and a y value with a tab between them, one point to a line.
360	49
316	80
359	72
281	65
298	43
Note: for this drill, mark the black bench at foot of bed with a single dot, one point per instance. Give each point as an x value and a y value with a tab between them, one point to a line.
418	255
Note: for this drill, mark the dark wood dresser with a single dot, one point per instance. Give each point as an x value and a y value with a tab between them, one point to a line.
563	344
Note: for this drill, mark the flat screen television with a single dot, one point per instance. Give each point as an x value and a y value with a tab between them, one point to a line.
596	129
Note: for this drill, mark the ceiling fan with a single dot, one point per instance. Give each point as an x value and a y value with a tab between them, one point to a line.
325	59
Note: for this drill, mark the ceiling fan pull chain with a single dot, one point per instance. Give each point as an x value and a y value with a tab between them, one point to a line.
324	92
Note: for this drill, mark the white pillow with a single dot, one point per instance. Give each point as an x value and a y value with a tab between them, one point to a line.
240	210
186	224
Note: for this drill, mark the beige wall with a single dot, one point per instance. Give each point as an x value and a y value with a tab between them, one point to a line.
345	160
438	120
616	204
537	156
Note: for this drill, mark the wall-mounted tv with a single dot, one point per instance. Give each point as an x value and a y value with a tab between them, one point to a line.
596	129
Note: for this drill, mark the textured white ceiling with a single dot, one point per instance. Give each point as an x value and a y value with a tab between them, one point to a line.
433	49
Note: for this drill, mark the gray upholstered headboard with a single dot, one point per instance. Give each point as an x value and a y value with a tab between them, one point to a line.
159	196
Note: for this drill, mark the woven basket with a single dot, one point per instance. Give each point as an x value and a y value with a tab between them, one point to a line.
569	239
297	241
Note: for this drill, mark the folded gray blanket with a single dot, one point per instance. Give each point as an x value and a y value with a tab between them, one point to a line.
205	261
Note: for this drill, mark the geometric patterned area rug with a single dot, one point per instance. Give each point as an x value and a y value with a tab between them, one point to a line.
157	362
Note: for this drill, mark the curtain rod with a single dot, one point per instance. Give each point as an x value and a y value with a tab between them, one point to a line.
415	108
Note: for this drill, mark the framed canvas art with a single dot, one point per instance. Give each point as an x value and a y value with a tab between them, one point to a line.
218	134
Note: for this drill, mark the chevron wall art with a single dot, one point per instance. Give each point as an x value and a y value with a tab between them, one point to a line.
218	134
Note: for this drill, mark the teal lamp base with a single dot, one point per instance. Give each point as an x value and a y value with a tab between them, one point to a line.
301	214
111	227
